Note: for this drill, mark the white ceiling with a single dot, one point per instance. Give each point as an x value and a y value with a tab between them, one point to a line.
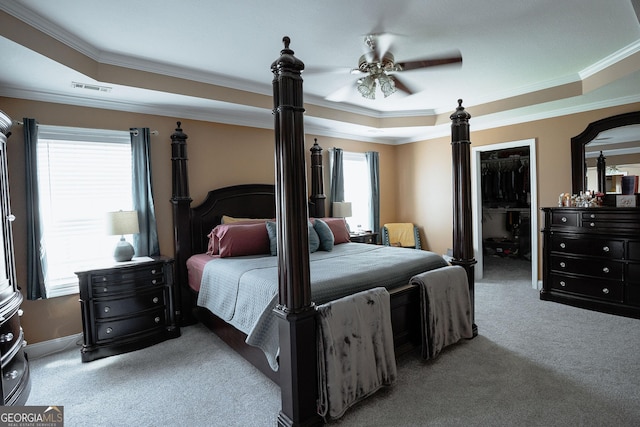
522	60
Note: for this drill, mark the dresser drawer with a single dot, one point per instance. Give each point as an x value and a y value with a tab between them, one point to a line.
109	330
141	301
634	251
9	334
565	243
592	288
619	216
606	269
565	218
633	294
12	374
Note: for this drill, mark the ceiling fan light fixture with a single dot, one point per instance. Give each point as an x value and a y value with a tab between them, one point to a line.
387	85
367	87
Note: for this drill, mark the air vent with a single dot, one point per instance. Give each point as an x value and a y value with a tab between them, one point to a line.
91	87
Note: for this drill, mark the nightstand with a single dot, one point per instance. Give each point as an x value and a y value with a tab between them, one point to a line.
368	237
127	306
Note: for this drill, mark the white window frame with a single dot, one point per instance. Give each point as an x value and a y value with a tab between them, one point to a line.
74	221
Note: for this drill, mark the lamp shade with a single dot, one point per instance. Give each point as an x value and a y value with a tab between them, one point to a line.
341	209
122	222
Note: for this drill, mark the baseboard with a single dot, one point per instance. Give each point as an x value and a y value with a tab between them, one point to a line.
45	348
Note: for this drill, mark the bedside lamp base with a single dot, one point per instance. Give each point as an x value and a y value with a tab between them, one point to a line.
124	251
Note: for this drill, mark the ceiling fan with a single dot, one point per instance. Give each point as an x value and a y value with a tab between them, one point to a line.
378	66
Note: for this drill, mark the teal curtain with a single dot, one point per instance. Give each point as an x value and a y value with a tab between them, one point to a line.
36	254
336	183
373	161
145	242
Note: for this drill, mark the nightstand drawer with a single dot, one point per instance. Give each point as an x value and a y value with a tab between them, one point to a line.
123	281
109	330
141	301
594	288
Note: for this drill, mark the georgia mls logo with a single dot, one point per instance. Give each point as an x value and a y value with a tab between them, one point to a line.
32	416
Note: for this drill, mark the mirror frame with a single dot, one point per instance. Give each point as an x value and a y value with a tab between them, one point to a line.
578	142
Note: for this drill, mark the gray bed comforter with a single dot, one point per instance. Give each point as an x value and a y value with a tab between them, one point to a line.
243	290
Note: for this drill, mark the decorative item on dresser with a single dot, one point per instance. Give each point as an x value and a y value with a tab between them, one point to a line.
127	306
16	382
591	258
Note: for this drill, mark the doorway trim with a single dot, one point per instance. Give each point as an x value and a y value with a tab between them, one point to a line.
476	201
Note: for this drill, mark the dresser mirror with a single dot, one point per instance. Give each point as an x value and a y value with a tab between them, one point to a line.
618	139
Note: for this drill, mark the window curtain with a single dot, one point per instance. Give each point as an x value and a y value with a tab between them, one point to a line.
373	161
145	242
36	255
336	184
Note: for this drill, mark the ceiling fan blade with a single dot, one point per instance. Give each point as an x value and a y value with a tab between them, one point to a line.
342	94
401	86
430	62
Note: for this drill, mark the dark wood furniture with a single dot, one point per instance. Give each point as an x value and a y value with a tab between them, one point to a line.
591	258
288	201
369	238
127	306
16	383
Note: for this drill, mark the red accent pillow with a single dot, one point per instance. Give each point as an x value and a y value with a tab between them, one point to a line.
239	239
339	229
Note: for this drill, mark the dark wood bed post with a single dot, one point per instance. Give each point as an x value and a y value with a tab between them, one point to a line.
181	224
462	230
295	311
317	197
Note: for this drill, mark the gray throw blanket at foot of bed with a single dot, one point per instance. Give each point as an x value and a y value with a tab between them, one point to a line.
445	308
355	350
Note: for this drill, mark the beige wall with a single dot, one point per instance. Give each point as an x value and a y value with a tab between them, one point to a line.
424	169
219	155
415	178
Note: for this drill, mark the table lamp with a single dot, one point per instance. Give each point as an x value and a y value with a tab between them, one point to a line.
123	222
341	209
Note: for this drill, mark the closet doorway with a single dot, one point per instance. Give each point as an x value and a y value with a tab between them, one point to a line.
505	201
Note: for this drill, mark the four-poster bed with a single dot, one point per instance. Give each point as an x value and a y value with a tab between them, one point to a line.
287	203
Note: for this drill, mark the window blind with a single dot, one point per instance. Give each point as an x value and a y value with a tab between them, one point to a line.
82	175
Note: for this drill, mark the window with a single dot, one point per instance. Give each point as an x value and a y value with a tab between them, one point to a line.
357	190
82	175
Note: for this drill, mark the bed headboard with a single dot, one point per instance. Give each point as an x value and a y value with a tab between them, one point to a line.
241	201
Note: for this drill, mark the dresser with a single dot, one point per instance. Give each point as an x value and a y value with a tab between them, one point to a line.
591	258
127	306
15	383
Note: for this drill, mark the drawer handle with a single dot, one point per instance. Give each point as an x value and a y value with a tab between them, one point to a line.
593	216
6	337
11	217
605	249
104	279
11	375
562	283
154	281
157	320
104	290
109	330
153	271
20	312
592	224
562	245
563	265
107	309
563	219
605	270
605	291
155	300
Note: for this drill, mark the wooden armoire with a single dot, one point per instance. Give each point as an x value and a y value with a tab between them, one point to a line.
15	384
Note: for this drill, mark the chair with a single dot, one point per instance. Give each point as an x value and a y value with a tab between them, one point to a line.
401	234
